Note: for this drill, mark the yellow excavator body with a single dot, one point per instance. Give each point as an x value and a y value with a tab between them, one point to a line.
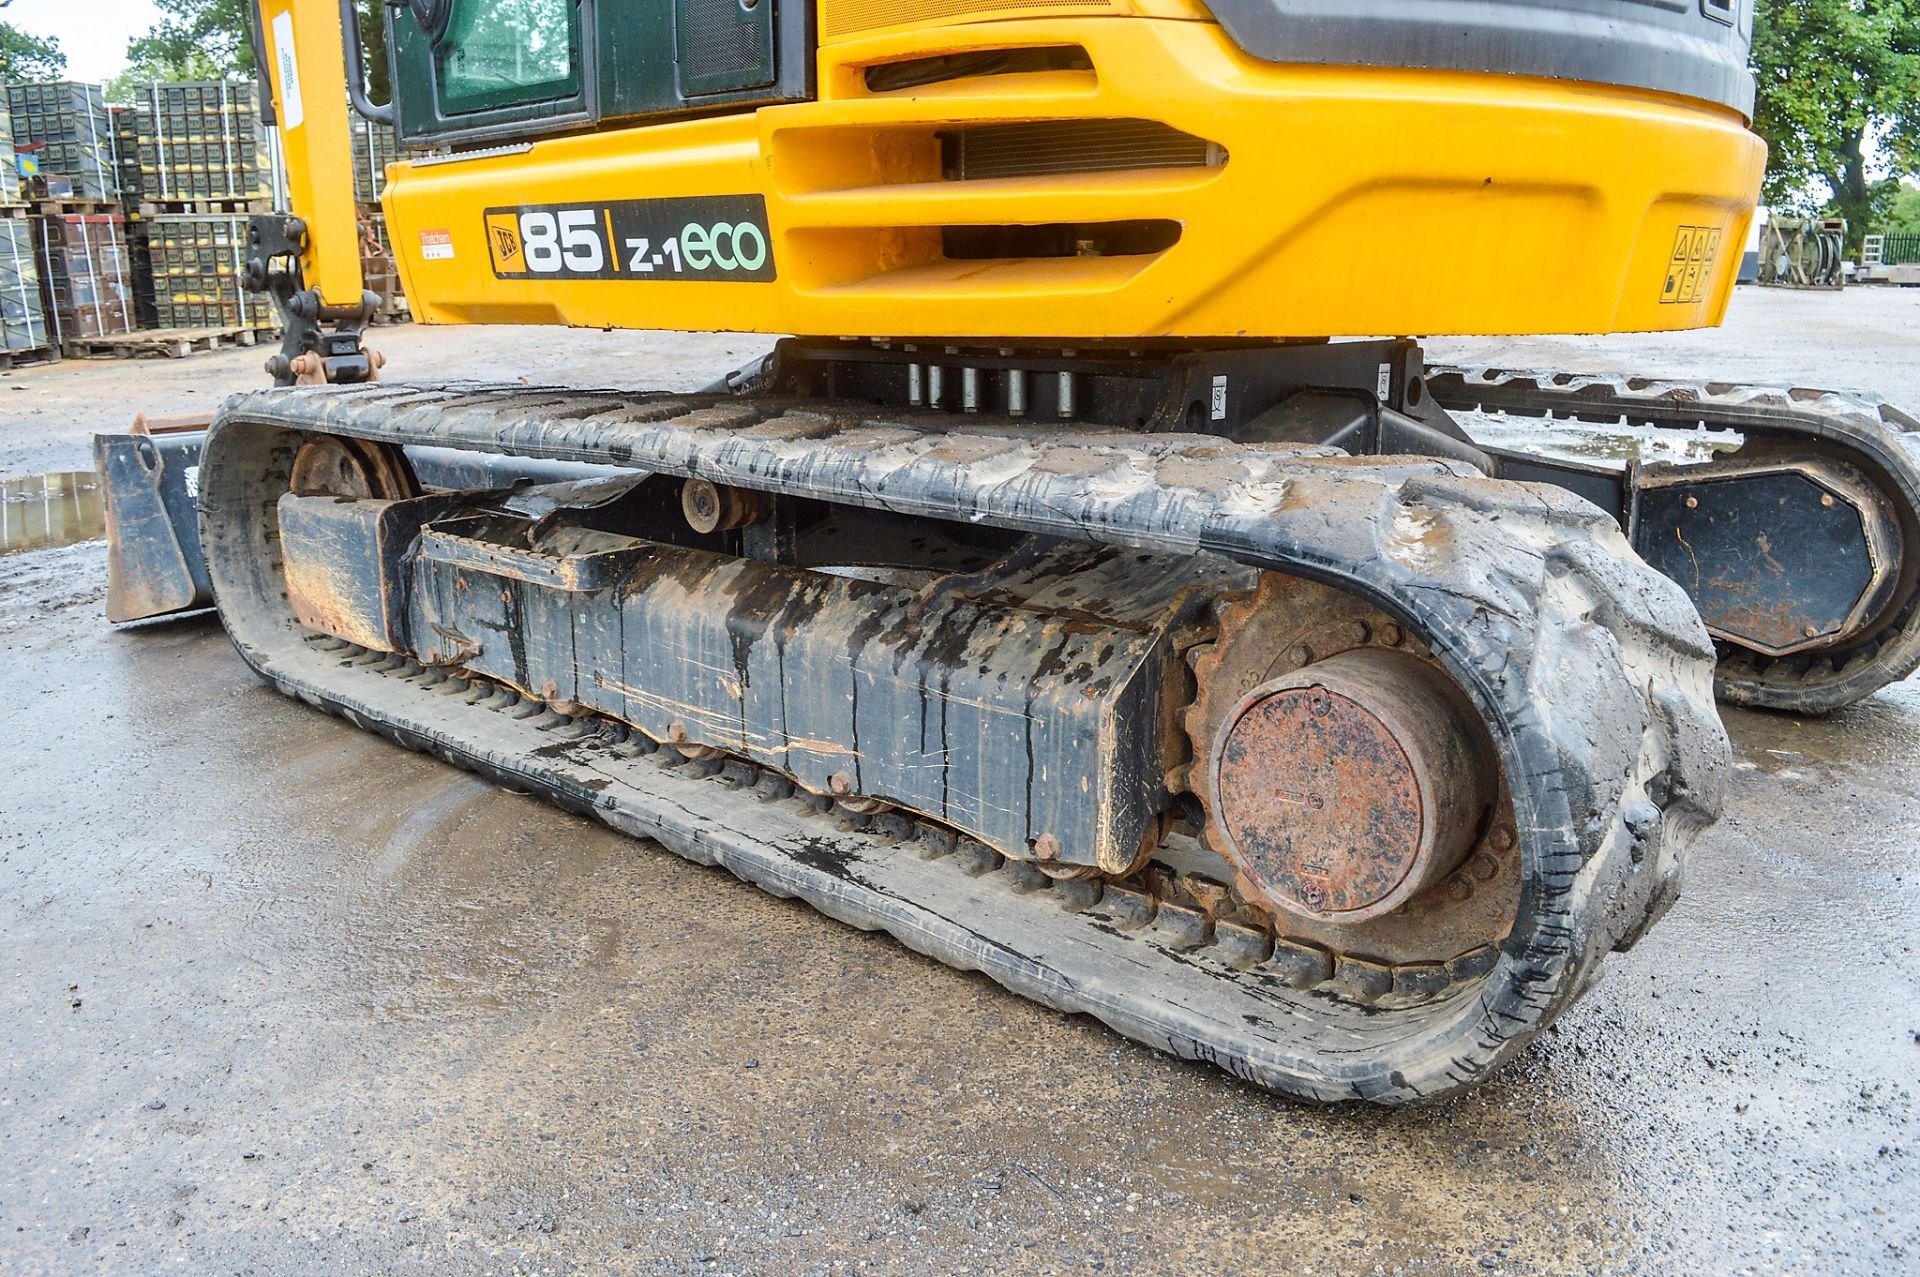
1332	200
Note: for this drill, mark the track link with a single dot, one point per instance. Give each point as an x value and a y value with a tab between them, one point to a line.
1591	672
1879	439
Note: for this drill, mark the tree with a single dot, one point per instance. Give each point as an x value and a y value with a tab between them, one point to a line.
130	84
208	38
1838	101
211	33
1903	213
29	57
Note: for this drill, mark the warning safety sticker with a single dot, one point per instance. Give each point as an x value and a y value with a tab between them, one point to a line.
1691	265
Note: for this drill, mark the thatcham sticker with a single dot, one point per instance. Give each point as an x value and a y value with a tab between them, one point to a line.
436	246
709	237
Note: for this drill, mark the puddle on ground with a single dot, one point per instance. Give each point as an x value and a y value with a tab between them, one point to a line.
46	510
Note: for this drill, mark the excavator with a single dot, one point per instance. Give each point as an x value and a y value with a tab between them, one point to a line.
1081	591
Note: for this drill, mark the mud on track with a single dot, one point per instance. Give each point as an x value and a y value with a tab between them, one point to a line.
342	1008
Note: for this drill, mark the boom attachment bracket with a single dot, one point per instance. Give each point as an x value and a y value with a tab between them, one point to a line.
311	352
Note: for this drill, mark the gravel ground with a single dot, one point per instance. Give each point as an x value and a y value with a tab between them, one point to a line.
280	998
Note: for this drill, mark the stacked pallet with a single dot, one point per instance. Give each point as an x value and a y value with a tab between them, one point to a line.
65	128
126	150
373	149
138	236
196	262
9	171
378	268
199	144
146	310
23	311
89	279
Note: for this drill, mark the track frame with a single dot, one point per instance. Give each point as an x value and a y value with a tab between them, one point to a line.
1591	672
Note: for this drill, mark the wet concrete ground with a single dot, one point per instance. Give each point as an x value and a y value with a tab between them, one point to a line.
280	998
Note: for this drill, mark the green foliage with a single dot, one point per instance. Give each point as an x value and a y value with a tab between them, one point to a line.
131	83
209	33
1903	213
1839	101
29	57
207	39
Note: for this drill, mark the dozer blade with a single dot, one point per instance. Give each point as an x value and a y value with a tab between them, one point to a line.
150	480
1488	728
149	477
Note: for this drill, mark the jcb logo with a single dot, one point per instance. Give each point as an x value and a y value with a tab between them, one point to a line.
503	237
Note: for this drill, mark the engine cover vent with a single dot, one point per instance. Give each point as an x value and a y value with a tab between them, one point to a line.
1044	147
844	17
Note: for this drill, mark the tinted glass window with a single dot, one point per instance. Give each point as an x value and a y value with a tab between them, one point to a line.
505	52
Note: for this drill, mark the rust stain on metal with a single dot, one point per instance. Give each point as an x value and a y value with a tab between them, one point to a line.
321	601
1321	801
1415	917
718	507
1349	787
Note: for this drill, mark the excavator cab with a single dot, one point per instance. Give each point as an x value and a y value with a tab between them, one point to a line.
466	72
1076	595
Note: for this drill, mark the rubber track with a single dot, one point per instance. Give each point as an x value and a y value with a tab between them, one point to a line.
1592	671
1875	436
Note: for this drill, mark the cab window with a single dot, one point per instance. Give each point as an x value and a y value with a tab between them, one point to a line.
499	53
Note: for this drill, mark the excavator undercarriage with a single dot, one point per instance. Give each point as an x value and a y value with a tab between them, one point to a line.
1279	700
1037	701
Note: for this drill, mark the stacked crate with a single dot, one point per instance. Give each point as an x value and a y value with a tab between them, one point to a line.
146	310
23	311
126	151
196	260
9	170
201	141
89	279
66	128
378	268
373	150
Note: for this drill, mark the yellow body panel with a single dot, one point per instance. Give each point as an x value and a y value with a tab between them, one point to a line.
1351	201
850	19
306	62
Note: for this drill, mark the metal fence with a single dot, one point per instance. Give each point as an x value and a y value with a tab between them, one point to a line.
1901	249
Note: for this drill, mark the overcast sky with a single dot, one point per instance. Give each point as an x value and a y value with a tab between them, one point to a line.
92	33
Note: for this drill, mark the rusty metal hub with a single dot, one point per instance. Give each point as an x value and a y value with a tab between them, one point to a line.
717	507
1411	855
1350	786
338	466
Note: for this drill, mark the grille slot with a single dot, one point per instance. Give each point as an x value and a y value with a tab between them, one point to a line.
1044	147
1138	238
915	73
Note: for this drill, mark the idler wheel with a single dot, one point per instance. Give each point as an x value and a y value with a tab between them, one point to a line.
338	466
1348	787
